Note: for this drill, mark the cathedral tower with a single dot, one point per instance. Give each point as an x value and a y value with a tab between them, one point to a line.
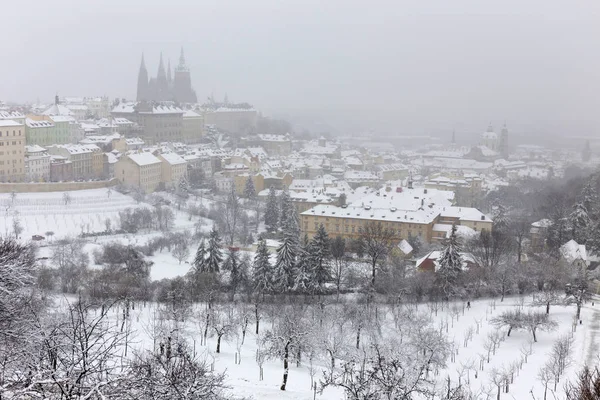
503	147
182	82
142	85
162	85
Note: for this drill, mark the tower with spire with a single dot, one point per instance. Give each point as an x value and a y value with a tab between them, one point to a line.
503	146
142	85
165	86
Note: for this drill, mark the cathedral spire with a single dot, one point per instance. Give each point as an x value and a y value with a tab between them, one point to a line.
142	85
169	78
161	68
453	136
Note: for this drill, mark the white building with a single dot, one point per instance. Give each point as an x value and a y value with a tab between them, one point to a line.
37	163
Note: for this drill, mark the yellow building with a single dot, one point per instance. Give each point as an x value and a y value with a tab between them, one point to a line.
423	213
239	183
140	170
174	169
12	151
193	127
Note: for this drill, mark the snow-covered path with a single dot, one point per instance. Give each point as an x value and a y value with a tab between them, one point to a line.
593	335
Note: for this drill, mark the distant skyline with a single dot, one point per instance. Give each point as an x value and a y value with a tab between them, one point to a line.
397	67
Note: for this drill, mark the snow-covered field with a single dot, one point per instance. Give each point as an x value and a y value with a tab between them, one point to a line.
243	378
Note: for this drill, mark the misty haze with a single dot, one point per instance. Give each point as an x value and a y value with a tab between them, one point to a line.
289	200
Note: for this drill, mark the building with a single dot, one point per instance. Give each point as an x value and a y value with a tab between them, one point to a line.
85	159
425	213
503	145
232	120
193	127
174	169
159	123
141	170
12	151
165	87
489	139
61	169
37	164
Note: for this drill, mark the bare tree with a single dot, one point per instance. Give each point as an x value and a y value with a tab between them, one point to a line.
181	252
231	216
288	334
376	242
66	198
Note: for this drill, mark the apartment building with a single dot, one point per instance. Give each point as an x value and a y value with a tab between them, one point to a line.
37	164
12	151
84	163
174	169
141	170
193	127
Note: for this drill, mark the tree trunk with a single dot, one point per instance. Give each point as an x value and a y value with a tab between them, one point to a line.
358	338
218	343
548	307
509	330
206	327
578	310
498	396
286	353
257	318
534	337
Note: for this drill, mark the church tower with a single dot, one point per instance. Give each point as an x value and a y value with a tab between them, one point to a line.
503	147
162	85
142	85
182	82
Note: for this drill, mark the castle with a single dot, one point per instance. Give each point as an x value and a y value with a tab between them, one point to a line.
164	87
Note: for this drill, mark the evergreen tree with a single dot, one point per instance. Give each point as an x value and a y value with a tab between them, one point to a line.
271	214
283	274
249	189
233	265
450	264
289	217
215	257
501	219
262	270
200	259
589	199
320	253
304	281
580	223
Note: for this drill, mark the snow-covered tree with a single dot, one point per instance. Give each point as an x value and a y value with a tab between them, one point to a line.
262	269
237	270
589	199
578	290
304	281
200	258
271	213
231	216
450	264
501	219
580	222
213	261
283	273
249	189
288	220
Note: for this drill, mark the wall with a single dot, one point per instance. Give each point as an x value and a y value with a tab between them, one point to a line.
54	186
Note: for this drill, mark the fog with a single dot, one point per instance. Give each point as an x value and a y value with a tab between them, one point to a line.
389	66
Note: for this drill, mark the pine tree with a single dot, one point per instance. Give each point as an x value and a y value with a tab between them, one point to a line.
283	274
580	223
271	214
304	279
262	270
215	257
249	190
320	256
501	219
233	265
450	264
200	259
589	199
289	217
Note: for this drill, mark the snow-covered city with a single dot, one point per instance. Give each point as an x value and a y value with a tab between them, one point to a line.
374	217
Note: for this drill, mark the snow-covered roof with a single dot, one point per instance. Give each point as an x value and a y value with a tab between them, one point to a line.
405	247
58	109
144	158
34	149
11	115
9	122
173	158
573	251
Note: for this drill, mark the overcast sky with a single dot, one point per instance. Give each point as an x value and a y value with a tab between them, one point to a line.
397	66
